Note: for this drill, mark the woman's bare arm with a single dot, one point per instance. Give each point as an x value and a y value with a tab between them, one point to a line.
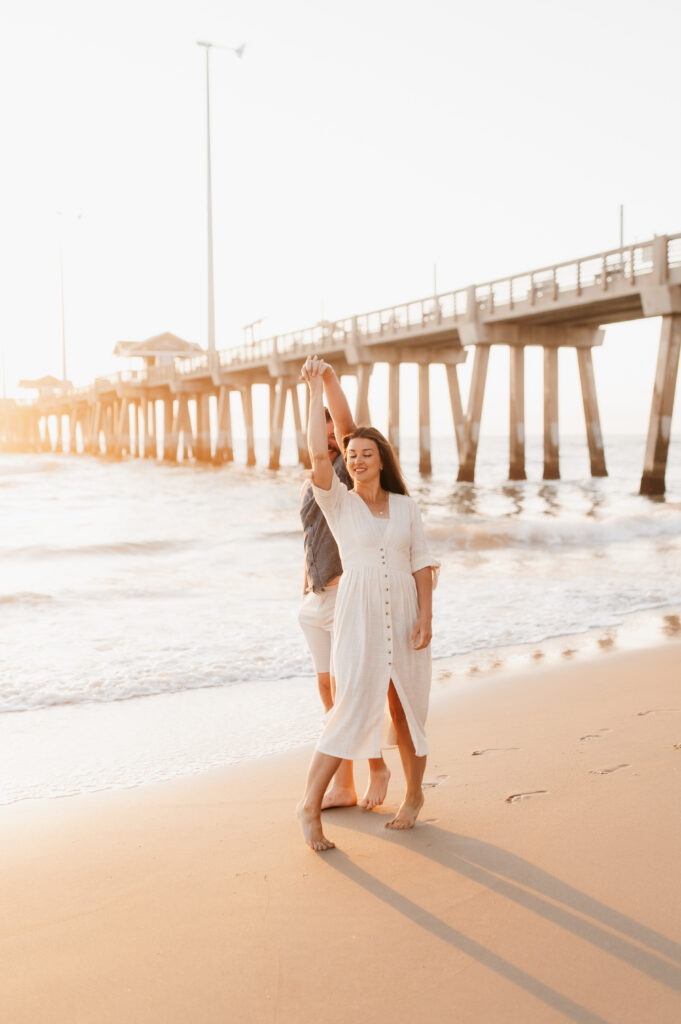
317	442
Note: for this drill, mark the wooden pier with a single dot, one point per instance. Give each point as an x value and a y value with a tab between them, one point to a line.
562	306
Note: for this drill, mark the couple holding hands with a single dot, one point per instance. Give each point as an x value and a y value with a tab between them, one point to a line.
366	613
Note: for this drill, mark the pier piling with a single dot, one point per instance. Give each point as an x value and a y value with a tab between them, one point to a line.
662	407
592	419
473	414
551	435
224	450
425	462
516	431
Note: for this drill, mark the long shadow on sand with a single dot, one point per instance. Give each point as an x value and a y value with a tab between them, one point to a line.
526	885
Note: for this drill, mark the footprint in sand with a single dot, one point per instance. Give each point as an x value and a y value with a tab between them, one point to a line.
492	750
595	735
537	655
431	783
608	771
569	652
656	711
514	797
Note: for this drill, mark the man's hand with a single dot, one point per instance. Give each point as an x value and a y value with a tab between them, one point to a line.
421	634
313	367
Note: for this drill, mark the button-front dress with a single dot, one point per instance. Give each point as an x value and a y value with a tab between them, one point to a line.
376	611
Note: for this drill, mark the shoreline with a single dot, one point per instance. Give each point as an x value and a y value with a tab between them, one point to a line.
540	884
48	753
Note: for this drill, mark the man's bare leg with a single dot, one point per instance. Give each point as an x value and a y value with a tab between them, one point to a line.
342	792
322	768
413	766
326	690
379	777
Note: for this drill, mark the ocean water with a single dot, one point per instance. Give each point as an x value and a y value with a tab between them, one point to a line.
148	611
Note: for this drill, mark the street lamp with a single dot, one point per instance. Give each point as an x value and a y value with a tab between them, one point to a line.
239	51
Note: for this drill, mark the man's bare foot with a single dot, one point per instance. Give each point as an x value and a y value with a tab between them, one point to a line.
311	824
377	788
407	814
339	797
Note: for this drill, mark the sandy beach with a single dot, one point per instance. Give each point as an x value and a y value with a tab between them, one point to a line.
541	884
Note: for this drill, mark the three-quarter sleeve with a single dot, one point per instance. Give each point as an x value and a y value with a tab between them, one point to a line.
420	553
330	501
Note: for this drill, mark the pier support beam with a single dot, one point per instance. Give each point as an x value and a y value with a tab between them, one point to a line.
362	413
516	455
301	443
594	434
247	407
97	423
108	418
458	417
73	423
662	407
169	431
224	450
150	451
58	437
183	425
394	406
136	447
474	414
551	453
272	402
425	462
277	423
202	451
123	429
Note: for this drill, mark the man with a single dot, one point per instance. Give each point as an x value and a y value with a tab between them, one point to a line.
323	570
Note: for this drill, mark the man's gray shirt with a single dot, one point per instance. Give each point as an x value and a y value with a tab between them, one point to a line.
322	561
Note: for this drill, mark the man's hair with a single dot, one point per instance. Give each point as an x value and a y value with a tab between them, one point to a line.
391	475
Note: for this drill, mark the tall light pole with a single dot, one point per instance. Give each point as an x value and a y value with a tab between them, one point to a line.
239	51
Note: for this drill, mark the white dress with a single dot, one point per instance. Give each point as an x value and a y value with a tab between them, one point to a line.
376	611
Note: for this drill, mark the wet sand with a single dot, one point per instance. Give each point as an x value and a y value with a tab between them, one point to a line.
540	885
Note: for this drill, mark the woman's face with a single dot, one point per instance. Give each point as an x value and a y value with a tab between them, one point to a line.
363	460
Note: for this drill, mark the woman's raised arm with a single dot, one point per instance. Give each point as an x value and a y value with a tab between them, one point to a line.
317	441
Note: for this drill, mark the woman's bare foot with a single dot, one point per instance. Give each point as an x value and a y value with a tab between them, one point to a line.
377	788
407	814
311	824
339	796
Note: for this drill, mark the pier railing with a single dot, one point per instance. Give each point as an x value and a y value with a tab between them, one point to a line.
626	267
588	277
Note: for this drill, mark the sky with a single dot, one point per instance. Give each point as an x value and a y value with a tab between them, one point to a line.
355	147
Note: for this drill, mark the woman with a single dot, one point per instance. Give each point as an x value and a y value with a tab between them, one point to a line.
382	627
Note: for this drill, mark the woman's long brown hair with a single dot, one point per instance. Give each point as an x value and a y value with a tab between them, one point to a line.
391	475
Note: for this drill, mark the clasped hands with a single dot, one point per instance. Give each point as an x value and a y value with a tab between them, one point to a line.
313	369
